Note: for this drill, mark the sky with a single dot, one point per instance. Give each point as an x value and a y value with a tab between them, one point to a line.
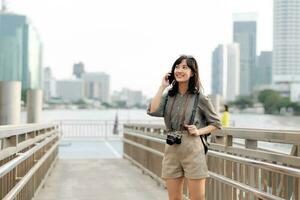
134	41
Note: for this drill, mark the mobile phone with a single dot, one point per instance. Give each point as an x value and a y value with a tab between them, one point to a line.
171	78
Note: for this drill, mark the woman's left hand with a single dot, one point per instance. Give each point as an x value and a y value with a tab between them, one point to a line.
192	129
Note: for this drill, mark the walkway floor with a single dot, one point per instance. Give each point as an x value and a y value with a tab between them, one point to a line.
96	179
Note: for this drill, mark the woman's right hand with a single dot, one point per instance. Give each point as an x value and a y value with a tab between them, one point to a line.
165	81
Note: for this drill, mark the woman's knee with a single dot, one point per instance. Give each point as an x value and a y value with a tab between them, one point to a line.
196	189
175	197
197	196
175	188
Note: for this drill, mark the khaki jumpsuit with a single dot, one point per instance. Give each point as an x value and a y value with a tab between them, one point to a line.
188	158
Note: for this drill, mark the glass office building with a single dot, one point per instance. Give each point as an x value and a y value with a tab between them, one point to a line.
244	33
20	51
286	48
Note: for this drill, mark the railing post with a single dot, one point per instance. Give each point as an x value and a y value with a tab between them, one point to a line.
229	192
105	136
297	181
252	172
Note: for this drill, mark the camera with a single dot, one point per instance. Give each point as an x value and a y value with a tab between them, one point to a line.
173	139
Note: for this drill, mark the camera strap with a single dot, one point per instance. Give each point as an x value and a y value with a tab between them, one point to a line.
183	111
203	137
194	109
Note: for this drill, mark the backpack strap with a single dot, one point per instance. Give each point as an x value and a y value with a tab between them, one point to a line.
203	137
194	109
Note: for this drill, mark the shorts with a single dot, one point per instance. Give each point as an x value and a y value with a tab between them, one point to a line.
186	159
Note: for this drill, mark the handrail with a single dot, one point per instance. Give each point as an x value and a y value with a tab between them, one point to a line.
162	126
265	165
15	190
13	130
265	135
244	187
144	147
27	153
23	156
256	163
148	137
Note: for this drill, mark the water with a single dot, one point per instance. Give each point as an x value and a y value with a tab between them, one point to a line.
136	115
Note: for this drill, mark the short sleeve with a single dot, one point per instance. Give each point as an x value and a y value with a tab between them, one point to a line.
159	112
209	112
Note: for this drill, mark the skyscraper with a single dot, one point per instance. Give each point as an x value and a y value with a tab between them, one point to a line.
286	46
233	71
97	86
217	75
263	69
20	51
78	69
49	84
244	33
226	71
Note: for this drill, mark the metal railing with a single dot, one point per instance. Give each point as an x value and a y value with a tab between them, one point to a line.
237	172
27	154
95	128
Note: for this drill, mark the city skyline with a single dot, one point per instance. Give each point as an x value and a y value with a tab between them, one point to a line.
133	43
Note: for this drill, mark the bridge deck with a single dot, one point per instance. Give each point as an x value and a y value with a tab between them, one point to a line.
94	179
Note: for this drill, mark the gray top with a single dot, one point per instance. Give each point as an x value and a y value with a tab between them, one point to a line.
205	112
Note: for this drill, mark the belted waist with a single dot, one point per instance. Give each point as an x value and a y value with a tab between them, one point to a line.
177	132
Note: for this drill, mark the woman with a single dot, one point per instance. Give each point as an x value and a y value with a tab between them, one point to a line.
186	159
225	117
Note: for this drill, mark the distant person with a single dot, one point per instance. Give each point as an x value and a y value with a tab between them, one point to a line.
184	154
225	117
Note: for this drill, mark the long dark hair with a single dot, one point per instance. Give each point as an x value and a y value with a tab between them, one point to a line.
195	85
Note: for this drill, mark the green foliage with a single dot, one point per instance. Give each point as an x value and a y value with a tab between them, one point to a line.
80	102
106	105
273	102
242	102
263	95
24	95
121	104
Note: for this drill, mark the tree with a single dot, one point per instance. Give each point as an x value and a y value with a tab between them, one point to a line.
243	102
271	100
264	94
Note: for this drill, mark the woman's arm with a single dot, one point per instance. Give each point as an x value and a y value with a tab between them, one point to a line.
212	118
157	104
206	130
202	131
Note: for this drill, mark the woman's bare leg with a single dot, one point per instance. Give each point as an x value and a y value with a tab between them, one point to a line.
196	189
175	188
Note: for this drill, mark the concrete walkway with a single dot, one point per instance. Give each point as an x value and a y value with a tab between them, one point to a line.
107	179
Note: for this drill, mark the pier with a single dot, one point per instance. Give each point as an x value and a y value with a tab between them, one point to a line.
243	163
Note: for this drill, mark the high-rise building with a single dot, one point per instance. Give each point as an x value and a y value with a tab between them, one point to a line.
49	84
263	69
78	70
244	33
217	75
97	86
286	47
70	90
129	97
226	71
233	71
20	51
